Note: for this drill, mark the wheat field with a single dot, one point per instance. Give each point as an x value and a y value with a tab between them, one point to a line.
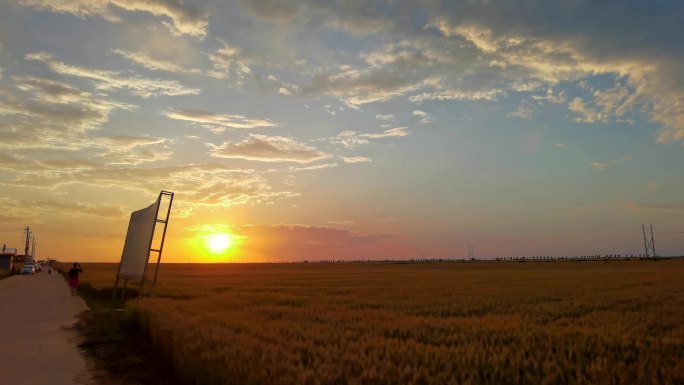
618	322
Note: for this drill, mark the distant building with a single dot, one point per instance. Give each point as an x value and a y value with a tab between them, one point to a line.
7	257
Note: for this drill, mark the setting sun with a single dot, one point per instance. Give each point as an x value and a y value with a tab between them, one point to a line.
218	243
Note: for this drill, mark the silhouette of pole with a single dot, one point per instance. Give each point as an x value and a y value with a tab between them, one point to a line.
653	243
28	238
643	231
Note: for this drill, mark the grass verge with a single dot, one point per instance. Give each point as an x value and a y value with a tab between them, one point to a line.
120	353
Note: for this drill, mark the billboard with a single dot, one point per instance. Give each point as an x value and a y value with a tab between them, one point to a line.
138	241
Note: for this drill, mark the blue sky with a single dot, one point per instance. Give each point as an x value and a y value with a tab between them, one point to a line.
345	128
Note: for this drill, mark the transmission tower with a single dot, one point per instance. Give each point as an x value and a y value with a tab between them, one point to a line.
649	244
471	252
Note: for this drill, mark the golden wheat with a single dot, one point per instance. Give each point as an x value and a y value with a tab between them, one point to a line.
504	323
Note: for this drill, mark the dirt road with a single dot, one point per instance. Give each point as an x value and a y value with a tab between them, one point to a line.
35	346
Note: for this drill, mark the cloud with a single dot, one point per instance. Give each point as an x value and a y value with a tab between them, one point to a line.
420	67
397	132
356	87
45	113
132	150
78	209
607	104
228	60
51	115
352	18
386	118
351	139
541	48
113	80
587	114
311	168
42	208
425	118
355	159
268	149
184	19
524	111
218	122
277	11
342	223
200	185
456	94
605	164
600	165
144	59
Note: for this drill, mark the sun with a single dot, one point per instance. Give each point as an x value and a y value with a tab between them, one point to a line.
218	243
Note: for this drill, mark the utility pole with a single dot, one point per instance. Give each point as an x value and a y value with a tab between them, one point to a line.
28	238
649	244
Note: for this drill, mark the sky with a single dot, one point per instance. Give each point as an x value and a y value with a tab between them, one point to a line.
344	129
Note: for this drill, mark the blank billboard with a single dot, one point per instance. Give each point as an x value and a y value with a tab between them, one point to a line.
138	241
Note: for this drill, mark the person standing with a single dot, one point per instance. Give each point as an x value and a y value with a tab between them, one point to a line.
73	277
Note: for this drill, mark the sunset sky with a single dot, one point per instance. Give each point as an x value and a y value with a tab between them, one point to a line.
344	129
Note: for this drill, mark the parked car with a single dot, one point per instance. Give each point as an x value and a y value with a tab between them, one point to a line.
28	269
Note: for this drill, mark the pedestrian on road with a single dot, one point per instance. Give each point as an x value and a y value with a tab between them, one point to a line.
73	277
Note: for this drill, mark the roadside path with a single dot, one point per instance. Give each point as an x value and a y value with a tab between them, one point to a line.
36	345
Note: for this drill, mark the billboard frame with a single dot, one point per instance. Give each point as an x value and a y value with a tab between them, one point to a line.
150	249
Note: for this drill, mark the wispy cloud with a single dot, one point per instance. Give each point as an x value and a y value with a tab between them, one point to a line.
350	139
115	80
146	60
355	159
425	118
31	208
385	117
602	165
396	132
201	185
268	149
457	94
218	122
311	168
184	19
227	60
